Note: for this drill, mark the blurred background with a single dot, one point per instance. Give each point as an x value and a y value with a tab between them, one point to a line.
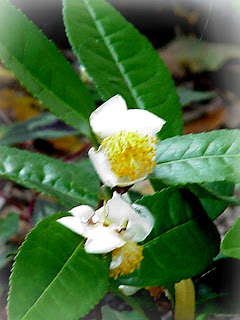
199	42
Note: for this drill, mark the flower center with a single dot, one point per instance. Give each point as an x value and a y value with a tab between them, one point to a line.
132	256
130	154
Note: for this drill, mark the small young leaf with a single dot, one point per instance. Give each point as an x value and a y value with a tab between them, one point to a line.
69	183
53	277
199	158
188	96
43	70
231	243
43	126
6	253
121	61
182	243
184	300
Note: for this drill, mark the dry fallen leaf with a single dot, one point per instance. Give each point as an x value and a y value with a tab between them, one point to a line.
211	121
22	106
69	144
189	53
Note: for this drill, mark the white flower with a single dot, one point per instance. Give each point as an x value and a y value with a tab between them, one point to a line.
111	226
127	142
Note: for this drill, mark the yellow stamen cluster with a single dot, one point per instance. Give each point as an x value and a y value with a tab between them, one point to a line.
131	259
130	154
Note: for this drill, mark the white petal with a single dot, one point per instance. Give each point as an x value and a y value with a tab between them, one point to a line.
125	196
102	166
104	120
83	212
143	187
116	261
143	121
126	181
141	225
73	224
118	209
128	290
103	240
99	215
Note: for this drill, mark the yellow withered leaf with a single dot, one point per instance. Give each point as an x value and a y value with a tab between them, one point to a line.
23	106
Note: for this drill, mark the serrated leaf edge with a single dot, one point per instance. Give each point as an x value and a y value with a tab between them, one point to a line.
19	252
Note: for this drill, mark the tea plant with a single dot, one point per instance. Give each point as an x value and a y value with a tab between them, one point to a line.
106	241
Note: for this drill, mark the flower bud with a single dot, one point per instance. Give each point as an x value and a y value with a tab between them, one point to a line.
105	193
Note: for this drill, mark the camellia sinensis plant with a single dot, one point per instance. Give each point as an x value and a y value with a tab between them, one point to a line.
107	240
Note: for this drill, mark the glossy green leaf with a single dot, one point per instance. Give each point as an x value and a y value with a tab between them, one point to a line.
53	277
215	197
66	182
89	176
43	126
182	244
189	96
8	227
231	243
42	69
198	158
121	61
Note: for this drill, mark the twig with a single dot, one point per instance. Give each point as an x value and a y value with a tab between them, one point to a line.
97	312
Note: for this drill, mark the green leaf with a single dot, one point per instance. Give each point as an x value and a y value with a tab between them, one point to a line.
6	254
66	182
43	70
202	316
165	207
88	174
214	197
198	158
231	243
189	96
121	61
53	277
43	126
110	314
182	244
8	227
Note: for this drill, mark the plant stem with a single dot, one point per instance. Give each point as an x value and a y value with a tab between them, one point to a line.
97	312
